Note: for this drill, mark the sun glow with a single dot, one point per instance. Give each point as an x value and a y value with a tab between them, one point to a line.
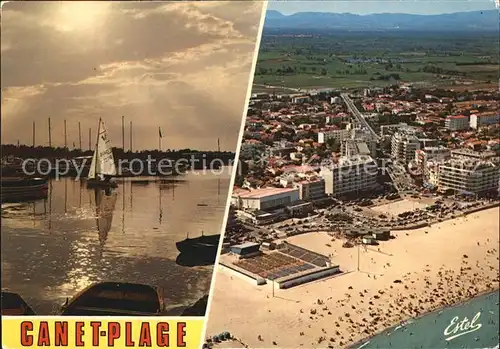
81	15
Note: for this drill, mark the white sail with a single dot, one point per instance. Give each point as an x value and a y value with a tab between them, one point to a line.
92	168
104	158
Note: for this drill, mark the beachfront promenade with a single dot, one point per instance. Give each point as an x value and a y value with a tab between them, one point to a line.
433	267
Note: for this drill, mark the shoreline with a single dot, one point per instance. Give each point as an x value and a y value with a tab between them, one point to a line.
420	272
367	340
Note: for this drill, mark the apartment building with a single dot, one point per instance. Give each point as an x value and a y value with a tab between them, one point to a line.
351	174
468	176
353	147
422	156
311	189
470	154
404	144
339	135
457	122
364	136
483	119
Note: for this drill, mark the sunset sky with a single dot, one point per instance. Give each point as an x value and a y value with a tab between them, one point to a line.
183	67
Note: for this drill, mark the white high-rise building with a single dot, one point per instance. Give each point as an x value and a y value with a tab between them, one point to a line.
468	175
457	122
484	119
351	174
404	144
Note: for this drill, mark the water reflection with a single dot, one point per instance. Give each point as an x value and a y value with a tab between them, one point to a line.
53	248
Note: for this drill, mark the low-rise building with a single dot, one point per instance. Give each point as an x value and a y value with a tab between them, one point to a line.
351	174
301	99
339	135
281	149
389	130
264	198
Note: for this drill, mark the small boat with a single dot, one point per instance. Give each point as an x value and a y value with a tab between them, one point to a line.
13	166
201	247
202	205
116	299
17	189
102	168
14	304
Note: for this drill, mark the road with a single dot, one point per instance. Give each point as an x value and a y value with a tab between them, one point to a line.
293	89
355	112
401	180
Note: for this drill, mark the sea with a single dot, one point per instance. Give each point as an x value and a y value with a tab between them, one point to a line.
472	324
55	247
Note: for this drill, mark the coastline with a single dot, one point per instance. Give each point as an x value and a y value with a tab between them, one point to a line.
419	272
367	340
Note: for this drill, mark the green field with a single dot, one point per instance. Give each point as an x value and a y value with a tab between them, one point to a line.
348	60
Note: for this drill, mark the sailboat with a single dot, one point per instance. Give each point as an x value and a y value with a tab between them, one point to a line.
103	166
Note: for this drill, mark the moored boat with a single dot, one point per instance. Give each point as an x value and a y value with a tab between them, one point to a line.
14	304
17	189
116	299
201	247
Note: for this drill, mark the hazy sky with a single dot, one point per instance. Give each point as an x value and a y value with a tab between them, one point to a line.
181	66
382	6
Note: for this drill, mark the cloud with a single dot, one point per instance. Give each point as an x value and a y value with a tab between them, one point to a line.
182	66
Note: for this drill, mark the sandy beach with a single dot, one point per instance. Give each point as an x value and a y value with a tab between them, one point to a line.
434	266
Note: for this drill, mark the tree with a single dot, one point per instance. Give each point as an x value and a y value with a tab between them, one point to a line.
333	145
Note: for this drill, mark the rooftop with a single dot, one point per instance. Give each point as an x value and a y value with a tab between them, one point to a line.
457	117
262	192
246	245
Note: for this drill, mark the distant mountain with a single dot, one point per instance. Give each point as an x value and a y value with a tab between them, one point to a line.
461	21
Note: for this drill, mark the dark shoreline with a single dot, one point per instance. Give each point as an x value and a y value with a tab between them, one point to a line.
361	342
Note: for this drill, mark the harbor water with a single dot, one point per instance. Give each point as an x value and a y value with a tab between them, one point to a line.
54	248
473	324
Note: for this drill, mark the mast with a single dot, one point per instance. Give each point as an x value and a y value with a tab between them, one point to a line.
65	136
97	147
50	137
218	179
79	135
33	134
130	136
123	133
159	138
